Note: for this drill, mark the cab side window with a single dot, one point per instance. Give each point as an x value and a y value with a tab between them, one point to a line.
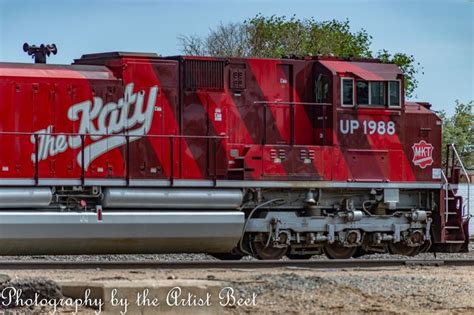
322	89
347	91
363	92
377	93
394	93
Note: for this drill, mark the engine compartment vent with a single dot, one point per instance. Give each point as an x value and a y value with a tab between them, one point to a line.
204	74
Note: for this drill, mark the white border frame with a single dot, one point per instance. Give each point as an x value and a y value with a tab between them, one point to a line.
342	92
399	94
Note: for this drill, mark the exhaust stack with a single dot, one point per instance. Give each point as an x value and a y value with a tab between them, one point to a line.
40	53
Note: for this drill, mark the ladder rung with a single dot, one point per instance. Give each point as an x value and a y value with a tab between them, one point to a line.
454	242
450	227
451	212
449	198
236	169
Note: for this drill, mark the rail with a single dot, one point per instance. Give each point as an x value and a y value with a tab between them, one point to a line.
245	264
292	103
106	135
45	144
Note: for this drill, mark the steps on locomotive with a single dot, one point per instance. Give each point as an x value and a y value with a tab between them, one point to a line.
453	218
452	229
453	233
237	171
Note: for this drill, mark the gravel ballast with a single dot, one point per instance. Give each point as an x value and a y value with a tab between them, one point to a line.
406	290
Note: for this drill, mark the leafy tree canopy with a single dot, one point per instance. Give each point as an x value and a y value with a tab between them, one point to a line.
459	130
277	36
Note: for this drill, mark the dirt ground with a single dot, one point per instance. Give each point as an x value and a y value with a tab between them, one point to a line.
421	290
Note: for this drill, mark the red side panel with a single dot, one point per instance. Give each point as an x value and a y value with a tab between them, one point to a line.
126	117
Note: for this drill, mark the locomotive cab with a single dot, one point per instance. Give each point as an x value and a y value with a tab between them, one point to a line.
368	111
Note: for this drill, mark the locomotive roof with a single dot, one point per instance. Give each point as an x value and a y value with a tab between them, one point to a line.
58	71
119	54
122	54
370	71
418	107
367	69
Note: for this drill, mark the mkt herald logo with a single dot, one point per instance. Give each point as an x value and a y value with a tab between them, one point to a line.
422	154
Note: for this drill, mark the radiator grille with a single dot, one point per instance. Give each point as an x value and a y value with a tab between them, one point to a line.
204	74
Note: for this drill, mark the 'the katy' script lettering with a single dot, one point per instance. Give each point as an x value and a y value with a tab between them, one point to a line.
102	123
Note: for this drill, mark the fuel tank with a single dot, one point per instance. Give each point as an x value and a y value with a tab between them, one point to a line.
172	198
25	197
31	232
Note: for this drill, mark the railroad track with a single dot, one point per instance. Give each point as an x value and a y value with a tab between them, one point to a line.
251	264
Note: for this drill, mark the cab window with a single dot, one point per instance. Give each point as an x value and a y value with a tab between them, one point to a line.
394	93
362	92
322	89
347	92
370	93
377	93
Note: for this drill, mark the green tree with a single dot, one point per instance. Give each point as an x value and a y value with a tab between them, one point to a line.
459	130
277	36
407	64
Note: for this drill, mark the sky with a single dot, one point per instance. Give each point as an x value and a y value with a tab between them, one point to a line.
439	34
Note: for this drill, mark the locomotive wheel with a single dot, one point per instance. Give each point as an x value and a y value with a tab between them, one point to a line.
269	252
337	251
401	248
299	257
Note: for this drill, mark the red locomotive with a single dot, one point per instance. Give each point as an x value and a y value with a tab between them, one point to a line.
137	153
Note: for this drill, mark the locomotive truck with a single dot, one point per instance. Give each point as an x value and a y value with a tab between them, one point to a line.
137	153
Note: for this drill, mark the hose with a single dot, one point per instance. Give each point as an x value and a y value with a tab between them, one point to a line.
241	248
364	208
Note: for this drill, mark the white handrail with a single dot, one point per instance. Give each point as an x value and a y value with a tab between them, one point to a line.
446	194
467	178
